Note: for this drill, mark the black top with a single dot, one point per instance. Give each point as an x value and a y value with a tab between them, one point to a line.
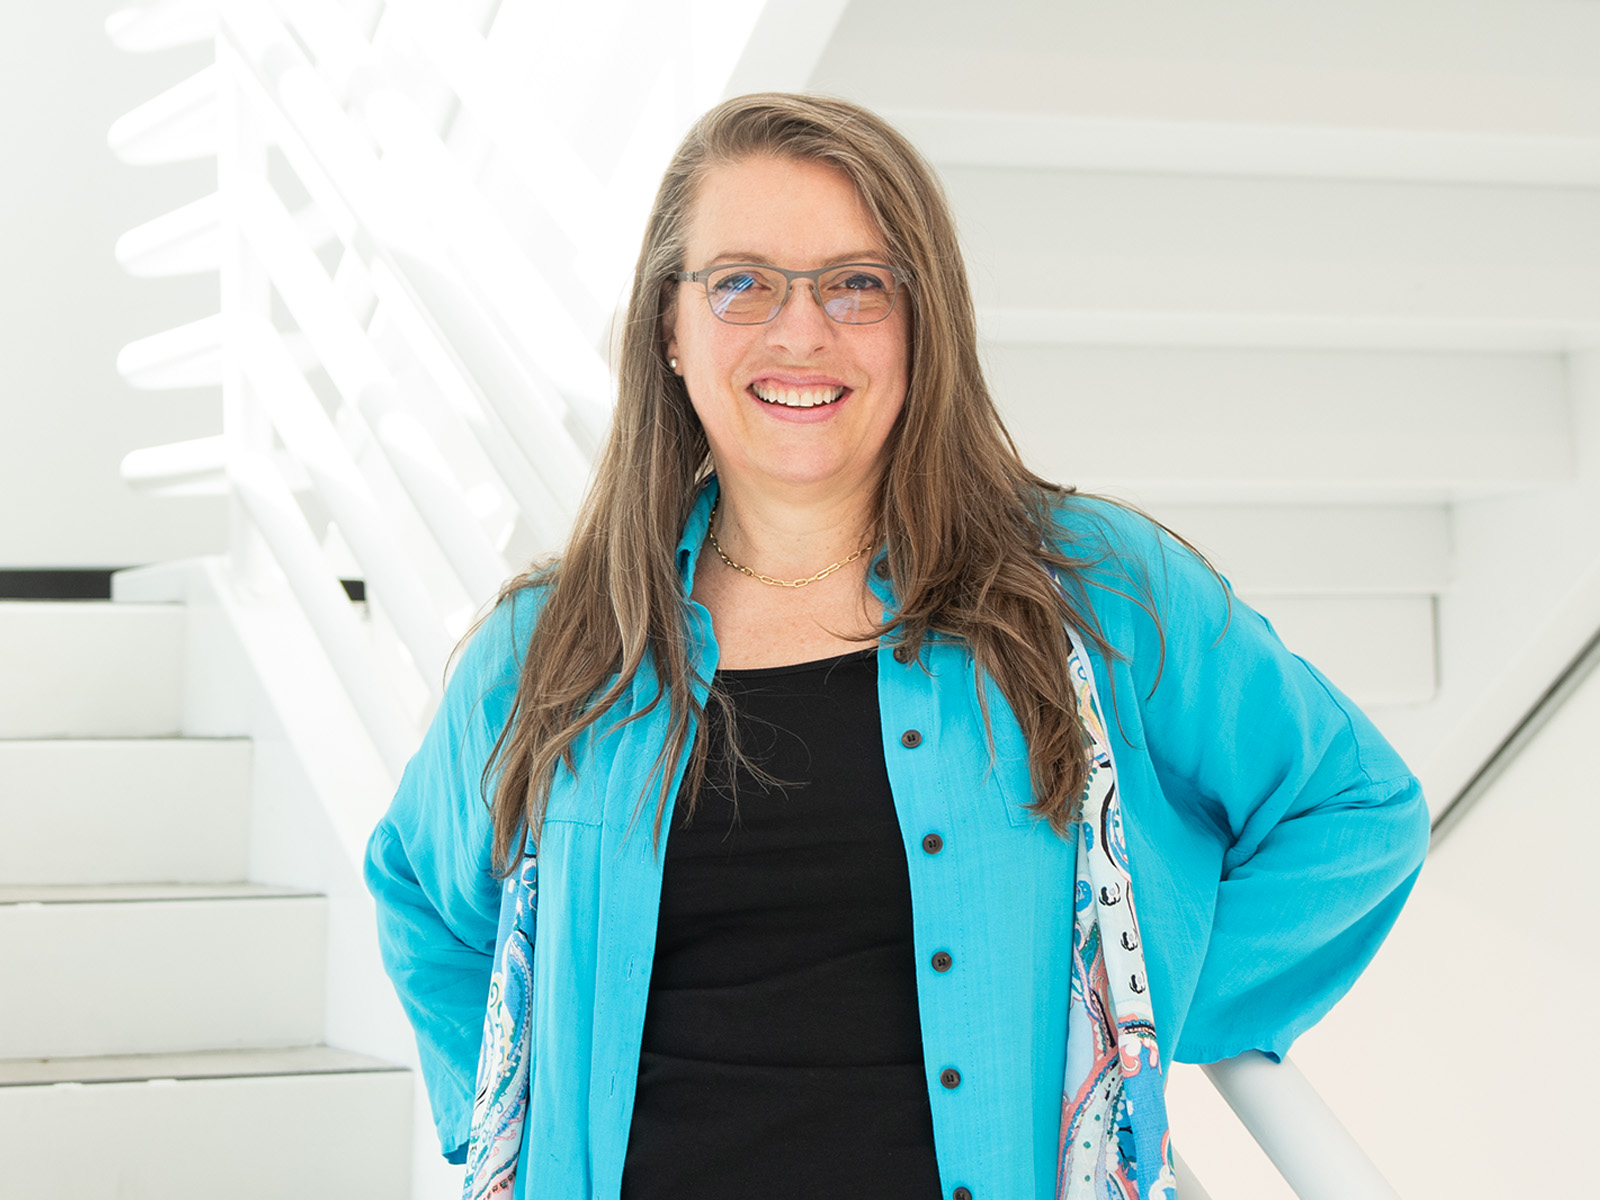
782	1052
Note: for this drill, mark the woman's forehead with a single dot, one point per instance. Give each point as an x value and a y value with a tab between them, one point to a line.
786	211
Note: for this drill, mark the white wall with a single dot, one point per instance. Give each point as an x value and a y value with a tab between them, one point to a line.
66	308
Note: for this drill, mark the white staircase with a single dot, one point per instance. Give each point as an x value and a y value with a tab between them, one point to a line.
160	1017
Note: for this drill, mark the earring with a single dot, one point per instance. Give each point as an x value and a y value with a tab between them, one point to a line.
673	363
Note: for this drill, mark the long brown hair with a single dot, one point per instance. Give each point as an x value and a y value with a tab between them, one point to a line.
967	525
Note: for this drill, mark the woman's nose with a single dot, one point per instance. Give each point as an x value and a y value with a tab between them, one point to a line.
801	319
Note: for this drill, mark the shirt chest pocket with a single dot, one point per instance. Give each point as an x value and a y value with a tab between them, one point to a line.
1009	776
573	800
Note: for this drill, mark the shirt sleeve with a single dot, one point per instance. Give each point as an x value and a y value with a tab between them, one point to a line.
428	868
1324	827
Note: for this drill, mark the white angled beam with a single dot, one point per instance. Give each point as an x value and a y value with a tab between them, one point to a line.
310	437
161	25
185	241
342	637
190	465
339	342
188	356
178	125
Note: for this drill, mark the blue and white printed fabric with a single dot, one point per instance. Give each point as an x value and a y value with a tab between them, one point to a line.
1114	1144
500	1108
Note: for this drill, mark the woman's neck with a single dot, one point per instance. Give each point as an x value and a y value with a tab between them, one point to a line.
795	534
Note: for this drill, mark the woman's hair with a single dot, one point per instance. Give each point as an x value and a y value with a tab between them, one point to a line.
967	527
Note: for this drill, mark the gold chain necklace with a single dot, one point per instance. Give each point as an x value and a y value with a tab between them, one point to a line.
711	533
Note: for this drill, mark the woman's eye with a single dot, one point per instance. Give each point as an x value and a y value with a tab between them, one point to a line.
736	283
859	281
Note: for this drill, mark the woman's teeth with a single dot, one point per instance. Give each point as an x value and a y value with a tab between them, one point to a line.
796	397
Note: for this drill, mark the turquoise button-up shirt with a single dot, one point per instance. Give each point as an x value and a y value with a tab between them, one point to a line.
1273	836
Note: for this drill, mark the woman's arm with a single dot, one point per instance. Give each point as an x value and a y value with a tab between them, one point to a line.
1325	828
428	868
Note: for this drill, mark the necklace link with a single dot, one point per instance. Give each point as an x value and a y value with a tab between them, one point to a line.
711	535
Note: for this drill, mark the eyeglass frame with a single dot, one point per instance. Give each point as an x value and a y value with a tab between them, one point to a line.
703	276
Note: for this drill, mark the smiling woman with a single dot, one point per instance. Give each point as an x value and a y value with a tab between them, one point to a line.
823	767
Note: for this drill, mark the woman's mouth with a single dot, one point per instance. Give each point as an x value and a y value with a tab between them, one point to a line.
796	397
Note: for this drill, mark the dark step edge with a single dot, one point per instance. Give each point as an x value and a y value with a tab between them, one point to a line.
91	583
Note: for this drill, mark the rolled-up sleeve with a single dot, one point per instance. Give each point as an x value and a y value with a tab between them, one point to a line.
428	868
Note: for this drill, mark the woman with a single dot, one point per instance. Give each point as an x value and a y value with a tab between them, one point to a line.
824	763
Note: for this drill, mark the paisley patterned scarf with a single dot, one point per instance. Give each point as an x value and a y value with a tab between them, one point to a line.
1114	1142
500	1107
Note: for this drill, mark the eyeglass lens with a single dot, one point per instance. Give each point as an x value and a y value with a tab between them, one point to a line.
851	294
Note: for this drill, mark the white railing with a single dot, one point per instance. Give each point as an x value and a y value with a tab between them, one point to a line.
412	305
1308	1144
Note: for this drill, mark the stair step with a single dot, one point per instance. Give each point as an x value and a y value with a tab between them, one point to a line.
1215	423
1331	549
1055	253
1364	67
310	1122
90	669
153	968
194	1064
89	811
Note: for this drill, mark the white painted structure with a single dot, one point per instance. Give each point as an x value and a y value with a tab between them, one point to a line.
1317	285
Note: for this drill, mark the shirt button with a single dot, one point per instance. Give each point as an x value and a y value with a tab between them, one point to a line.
911	739
942	962
961	1194
950	1077
882	568
933	843
902	654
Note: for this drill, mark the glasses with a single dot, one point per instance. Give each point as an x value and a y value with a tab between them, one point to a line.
752	294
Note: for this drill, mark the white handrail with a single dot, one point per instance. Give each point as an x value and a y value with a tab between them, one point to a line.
1312	1150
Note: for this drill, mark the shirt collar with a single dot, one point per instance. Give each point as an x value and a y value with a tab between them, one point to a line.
694	533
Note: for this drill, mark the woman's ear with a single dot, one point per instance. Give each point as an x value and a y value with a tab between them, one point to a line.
669	325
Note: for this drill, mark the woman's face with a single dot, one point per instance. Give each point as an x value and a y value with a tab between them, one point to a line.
751	384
